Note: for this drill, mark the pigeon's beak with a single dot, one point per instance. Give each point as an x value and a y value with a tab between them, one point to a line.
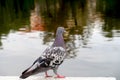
65	34
65	31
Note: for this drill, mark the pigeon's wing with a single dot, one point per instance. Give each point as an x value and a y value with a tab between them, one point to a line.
55	56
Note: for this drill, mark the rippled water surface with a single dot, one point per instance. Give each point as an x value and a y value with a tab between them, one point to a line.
93	40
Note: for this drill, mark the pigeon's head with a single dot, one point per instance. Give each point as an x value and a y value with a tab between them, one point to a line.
60	30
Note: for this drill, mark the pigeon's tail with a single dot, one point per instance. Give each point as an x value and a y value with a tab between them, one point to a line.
29	71
34	69
26	73
23	76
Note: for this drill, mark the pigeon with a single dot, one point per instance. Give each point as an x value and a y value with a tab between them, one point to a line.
51	58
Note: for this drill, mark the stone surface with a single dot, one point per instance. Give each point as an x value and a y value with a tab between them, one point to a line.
52	78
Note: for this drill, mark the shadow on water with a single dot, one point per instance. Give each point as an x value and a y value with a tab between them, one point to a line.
79	17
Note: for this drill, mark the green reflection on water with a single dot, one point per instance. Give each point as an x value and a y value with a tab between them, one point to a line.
14	14
74	15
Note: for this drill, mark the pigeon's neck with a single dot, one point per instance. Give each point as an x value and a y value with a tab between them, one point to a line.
59	41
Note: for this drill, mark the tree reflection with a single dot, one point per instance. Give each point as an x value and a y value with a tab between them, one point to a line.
110	25
14	14
0	43
76	16
110	10
72	14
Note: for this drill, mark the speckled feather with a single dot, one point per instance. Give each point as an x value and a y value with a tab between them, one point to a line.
55	55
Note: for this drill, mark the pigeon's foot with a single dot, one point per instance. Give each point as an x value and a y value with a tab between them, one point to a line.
59	76
46	75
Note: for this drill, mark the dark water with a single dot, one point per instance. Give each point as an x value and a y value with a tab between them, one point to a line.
93	37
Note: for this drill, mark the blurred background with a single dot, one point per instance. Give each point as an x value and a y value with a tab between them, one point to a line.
27	27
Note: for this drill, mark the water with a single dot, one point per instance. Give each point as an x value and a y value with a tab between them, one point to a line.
94	40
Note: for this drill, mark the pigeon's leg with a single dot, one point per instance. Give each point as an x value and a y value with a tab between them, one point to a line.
58	76
46	74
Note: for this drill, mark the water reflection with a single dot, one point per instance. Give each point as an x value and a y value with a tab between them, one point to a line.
48	15
61	13
111	27
13	15
0	44
75	16
89	38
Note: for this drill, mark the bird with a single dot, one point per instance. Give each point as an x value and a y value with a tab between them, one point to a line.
50	59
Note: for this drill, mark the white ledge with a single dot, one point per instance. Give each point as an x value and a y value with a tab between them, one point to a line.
52	78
